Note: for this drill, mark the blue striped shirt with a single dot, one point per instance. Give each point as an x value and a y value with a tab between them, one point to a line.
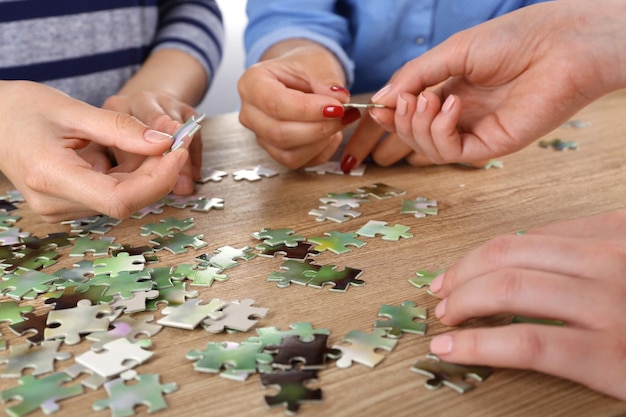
90	48
371	38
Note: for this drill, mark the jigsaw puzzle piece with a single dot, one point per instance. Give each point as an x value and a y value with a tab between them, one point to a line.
211	174
274	237
293	272
190	314
336	242
174	295
424	278
236	315
452	375
124	284
99	224
272	336
200	276
126	327
292	389
178	243
337	214
380	191
11	312
123	262
146	390
44	393
97	247
339	279
40	359
70	297
116	356
167	226
71	323
375	227
350	199
402	319
253	174
227	256
32	323
27	284
420	207
300	252
135	303
293	353
239	358
363	348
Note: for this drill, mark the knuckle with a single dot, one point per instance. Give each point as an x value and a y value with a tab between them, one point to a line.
529	346
509	287
498	249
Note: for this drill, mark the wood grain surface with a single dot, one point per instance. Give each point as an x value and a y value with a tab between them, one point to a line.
536	187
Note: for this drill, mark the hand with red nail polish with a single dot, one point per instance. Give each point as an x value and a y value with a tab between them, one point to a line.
292	101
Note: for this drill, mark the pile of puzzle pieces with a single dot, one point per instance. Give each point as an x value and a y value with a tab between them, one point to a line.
94	301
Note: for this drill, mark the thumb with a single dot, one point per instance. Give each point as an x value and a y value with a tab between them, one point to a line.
122	131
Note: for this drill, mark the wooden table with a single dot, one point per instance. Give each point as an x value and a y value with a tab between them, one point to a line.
536	186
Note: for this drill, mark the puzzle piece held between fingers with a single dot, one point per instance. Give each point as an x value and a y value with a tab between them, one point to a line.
452	375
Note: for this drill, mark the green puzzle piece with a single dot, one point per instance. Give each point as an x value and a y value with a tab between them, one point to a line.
401	319
167	226
424	278
339	279
11	312
200	276
293	272
274	237
123	398
39	393
336	242
269	336
238	358
375	227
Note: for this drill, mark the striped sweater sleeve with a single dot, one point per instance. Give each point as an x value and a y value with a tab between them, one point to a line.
194	27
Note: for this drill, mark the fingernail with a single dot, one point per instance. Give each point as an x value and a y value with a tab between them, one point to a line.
381	93
448	104
155	136
422	103
348	163
436	284
350	116
442	344
333	111
440	310
338	88
402	107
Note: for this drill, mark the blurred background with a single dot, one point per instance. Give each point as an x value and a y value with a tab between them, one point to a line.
223	97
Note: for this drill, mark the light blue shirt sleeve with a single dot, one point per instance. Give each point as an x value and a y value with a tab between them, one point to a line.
371	38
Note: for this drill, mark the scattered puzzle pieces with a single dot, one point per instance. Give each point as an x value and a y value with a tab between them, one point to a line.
190	314
559	145
218	356
236	315
70	323
380	191
339	280
274	237
39	359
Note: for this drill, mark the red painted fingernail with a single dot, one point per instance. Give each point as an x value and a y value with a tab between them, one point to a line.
350	116
333	111
348	163
336	88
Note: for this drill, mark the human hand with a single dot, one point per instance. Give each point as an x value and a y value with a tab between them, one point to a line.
56	181
164	113
506	82
572	272
293	103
